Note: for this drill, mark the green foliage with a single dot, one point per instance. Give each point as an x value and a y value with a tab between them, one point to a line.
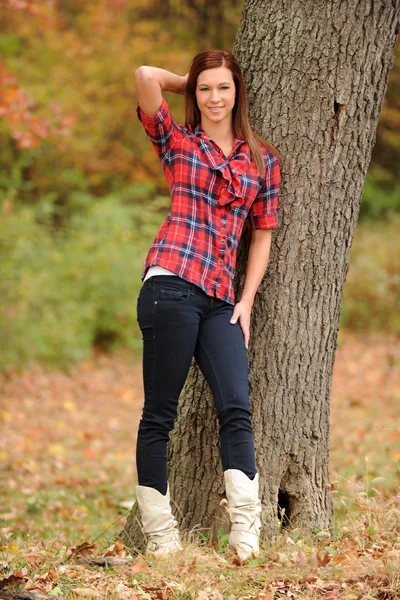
222	541
14	167
372	291
386	152
70	275
64	291
10	44
381	197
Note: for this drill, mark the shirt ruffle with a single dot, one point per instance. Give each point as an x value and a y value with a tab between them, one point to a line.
233	192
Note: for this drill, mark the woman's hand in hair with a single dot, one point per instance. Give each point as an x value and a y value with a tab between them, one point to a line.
151	82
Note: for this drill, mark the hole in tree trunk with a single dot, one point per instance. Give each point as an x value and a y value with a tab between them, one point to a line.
338	108
284	508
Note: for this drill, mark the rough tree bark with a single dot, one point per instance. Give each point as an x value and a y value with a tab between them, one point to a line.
316	74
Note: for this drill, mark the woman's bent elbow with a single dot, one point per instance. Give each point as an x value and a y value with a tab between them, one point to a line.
143	73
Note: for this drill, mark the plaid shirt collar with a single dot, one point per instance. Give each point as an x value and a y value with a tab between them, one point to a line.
199	132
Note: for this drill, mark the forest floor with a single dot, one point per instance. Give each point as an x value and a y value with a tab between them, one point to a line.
67	477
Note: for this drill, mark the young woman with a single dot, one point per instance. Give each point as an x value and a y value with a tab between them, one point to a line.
220	173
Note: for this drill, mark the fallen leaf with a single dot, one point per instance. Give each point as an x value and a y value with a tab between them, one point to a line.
56	592
32	560
299	558
84	549
49	576
84	593
56	449
11	548
126	593
192	567
140	566
16	578
7	416
320	561
116	549
70	406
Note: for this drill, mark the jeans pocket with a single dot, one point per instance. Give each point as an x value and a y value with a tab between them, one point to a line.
171	294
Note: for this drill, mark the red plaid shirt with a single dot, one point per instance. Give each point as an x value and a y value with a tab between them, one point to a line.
211	197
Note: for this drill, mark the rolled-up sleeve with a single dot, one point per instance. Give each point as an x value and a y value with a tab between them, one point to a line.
161	129
263	212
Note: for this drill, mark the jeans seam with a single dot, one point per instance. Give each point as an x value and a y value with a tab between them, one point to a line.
220	391
144	432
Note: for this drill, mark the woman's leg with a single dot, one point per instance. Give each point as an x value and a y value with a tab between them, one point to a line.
169	319
221	355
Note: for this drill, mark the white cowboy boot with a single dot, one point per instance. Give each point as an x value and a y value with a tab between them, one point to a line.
244	509
159	525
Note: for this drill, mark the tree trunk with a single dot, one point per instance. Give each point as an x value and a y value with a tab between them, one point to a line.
316	74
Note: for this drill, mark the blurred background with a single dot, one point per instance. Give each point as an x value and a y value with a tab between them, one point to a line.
82	194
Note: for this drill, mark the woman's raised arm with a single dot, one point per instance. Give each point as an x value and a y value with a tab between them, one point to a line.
151	81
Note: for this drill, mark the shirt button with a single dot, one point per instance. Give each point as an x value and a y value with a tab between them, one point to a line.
220	262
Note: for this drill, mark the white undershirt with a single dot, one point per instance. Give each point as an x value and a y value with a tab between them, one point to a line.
156	270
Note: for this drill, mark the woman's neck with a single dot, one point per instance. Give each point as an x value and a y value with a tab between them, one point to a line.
222	134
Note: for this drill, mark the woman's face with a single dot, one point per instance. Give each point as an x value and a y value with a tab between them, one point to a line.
215	95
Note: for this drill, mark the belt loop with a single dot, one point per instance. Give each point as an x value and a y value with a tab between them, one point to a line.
192	290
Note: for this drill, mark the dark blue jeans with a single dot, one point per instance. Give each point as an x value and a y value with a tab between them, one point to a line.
178	321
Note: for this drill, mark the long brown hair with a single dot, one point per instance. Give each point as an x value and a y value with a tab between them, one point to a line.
211	59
